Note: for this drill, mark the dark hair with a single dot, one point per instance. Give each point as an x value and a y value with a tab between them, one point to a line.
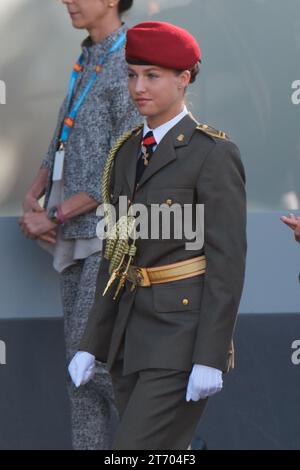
194	72
124	5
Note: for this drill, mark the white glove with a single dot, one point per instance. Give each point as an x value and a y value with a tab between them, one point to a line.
203	382
82	368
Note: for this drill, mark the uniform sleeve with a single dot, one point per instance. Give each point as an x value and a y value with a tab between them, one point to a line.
221	188
98	331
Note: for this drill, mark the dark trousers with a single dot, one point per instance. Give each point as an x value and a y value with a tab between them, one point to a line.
153	411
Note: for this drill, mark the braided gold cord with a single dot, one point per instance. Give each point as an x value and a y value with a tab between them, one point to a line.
124	228
117	242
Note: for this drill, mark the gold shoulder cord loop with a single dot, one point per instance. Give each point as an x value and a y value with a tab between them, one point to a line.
117	242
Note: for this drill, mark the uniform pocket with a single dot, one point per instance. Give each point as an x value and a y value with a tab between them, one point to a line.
168	217
178	296
170	196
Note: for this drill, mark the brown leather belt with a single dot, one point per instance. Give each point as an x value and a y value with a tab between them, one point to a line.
145	277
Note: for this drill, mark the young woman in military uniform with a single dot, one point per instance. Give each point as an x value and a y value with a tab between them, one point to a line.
164	315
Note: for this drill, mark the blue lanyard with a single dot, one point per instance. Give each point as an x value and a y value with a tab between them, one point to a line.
70	119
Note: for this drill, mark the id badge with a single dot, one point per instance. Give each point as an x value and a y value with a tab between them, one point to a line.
58	165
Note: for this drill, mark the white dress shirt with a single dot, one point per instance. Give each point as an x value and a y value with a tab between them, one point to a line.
161	131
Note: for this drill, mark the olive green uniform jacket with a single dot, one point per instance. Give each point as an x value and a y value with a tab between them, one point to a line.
156	325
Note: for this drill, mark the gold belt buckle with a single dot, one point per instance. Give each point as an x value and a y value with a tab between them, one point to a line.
138	276
143	278
133	276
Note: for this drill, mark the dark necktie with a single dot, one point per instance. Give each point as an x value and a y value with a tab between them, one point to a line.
148	144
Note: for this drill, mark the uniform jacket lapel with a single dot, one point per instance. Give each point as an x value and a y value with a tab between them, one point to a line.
178	136
133	147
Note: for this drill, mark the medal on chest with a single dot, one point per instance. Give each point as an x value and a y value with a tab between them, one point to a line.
145	155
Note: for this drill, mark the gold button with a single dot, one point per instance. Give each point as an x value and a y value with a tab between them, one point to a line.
169	202
185	301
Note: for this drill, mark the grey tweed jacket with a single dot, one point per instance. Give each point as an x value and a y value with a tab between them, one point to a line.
107	112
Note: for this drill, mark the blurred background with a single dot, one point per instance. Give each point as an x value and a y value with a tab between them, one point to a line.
245	87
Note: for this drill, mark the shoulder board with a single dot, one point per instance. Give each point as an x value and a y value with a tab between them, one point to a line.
213	132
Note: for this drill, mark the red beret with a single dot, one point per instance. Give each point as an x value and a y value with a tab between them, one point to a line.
162	44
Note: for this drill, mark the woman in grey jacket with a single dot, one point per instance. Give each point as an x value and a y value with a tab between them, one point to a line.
95	113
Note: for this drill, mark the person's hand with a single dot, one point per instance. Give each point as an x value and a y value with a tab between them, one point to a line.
82	368
49	237
292	222
203	382
31	204
35	224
